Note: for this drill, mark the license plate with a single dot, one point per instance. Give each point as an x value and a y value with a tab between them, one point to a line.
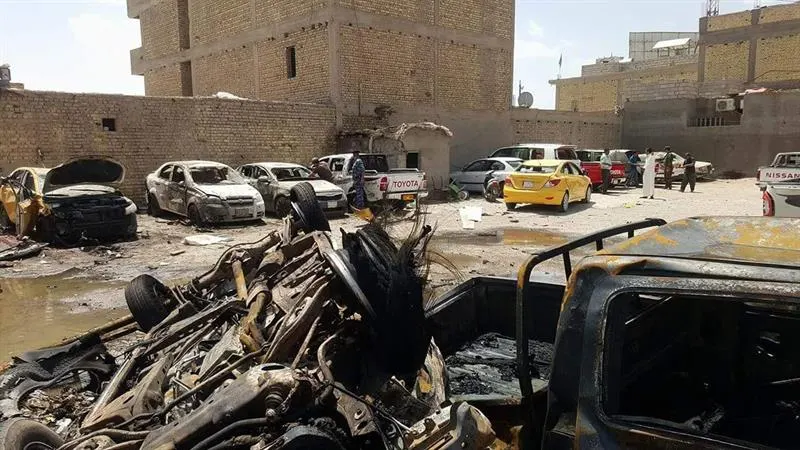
332	205
407	197
617	180
527	185
241	212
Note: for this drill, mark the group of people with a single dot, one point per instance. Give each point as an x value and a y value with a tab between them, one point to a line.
648	175
320	169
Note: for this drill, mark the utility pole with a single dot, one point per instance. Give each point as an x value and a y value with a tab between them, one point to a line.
712	8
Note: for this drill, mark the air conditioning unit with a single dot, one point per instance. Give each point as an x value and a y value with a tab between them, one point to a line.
726	104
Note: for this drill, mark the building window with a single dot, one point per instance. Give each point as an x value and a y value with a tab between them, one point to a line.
109	124
291	62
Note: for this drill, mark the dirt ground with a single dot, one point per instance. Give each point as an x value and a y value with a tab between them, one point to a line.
70	290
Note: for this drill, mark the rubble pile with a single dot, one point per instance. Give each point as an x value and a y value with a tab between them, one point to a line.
286	343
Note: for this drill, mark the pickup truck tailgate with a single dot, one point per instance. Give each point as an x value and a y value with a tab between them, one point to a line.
404	182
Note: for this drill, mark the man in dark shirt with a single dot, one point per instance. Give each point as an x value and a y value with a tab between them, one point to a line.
689	174
321	170
669	160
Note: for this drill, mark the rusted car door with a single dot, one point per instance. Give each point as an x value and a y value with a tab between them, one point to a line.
9	194
177	190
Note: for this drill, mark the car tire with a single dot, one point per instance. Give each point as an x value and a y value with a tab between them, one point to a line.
153	208
149	301
306	208
511	206
20	433
588	197
195	217
564	206
283	207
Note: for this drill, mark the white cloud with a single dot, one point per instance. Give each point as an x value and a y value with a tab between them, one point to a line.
534	29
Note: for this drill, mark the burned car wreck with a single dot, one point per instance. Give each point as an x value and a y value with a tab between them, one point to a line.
79	199
285	344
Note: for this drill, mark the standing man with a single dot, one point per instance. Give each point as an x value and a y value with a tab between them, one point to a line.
649	176
605	170
358	180
321	170
633	169
689	173
669	159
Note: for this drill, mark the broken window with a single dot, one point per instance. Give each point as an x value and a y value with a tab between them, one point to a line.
109	124
291	62
705	366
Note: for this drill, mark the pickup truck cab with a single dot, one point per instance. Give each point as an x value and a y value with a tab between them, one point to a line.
590	163
785	166
380	182
683	337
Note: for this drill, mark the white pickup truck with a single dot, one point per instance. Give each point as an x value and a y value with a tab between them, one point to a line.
786	166
380	182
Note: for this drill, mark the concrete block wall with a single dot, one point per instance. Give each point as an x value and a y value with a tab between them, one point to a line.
47	128
586	95
586	130
779	13
728	21
160	30
727	61
778	58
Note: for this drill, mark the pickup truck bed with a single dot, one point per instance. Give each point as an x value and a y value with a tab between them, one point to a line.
473	325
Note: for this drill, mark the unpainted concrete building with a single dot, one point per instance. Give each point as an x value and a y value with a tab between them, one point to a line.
377	62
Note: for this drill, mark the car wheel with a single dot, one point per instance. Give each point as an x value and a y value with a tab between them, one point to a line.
153	208
306	208
511	206
283	207
564	203
194	216
19	433
149	301
588	197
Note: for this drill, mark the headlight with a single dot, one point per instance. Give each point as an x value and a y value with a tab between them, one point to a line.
213	200
259	201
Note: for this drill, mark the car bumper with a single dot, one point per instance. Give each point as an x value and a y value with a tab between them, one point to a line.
333	206
405	196
94	224
226	214
541	197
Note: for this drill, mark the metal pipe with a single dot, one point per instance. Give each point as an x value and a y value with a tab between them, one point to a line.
238	277
307	340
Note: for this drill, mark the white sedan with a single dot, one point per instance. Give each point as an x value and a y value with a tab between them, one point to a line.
782	199
203	191
472	177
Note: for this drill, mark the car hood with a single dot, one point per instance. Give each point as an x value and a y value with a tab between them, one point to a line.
81	190
228	190
97	170
320	186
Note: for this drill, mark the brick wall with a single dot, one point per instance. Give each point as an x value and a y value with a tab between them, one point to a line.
164	81
278	10
153	130
312	82
778	58
230	71
381	66
727	61
420	11
588	96
636	90
586	130
210	20
779	13
160	30
727	21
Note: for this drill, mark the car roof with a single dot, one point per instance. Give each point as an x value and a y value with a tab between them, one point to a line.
501	158
537	145
589	150
197	163
543	162
273	165
762	240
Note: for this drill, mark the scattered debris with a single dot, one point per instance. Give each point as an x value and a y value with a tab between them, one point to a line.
177	252
205	239
20	248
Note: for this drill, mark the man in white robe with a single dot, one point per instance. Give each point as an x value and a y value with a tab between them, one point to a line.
649	176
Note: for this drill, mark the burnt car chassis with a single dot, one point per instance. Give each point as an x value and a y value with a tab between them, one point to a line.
285	343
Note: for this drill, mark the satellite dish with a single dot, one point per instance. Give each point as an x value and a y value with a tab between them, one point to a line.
525	100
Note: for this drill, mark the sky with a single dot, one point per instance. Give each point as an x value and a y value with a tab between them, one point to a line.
83	45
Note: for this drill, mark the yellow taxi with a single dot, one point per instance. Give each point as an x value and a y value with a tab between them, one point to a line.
547	182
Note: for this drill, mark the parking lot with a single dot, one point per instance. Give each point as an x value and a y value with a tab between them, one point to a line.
70	290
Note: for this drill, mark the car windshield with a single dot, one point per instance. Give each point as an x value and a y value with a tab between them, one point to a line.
589	156
288	173
536	169
215	175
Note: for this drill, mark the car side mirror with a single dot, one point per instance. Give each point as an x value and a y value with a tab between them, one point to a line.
263	179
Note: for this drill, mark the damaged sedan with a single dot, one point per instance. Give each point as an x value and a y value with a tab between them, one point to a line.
77	200
204	191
